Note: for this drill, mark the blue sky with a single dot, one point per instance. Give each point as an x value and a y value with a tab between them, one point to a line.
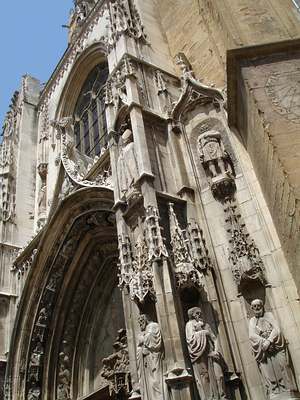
32	41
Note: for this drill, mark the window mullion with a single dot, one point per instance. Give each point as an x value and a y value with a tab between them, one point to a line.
91	133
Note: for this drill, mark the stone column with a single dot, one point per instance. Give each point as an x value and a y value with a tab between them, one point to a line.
178	377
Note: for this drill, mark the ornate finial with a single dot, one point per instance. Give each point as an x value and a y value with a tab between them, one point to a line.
185	66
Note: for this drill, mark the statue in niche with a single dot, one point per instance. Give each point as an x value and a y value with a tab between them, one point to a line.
37	355
208	362
149	358
213	155
34	394
64	378
270	351
127	166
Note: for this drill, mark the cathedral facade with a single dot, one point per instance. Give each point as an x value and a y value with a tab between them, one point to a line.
150	207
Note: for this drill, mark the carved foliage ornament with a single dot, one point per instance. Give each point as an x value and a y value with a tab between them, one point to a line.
135	268
156	246
244	256
10	121
189	253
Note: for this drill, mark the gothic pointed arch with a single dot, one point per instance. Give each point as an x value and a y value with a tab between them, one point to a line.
70	296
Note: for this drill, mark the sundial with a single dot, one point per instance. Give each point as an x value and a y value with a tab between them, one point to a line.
283	89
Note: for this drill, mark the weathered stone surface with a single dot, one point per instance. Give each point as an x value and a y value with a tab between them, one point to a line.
145	206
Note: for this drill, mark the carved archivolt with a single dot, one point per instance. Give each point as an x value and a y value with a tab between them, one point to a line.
61	262
68	340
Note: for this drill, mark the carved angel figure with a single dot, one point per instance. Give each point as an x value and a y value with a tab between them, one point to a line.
208	363
270	351
212	153
149	357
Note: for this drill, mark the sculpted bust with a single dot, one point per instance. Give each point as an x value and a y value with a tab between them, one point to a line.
208	363
270	351
212	153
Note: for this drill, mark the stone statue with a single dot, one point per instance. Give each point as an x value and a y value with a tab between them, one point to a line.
270	351
212	153
127	165
149	358
34	394
208	363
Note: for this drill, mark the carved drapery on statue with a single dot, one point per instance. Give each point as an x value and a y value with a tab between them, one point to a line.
127	167
271	353
208	363
189	253
116	367
150	360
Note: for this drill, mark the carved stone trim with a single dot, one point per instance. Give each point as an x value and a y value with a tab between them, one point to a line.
189	253
10	121
135	269
64	126
63	258
124	18
244	257
116	366
193	91
155	242
76	47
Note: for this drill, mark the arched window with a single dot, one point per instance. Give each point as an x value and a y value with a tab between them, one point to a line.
90	127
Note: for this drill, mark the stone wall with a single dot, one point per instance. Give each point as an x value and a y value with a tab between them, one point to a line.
205	29
265	97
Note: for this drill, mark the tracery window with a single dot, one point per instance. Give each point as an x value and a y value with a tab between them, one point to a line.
90	127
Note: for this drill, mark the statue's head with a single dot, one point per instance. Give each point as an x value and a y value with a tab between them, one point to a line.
257	306
127	137
143	321
195	313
